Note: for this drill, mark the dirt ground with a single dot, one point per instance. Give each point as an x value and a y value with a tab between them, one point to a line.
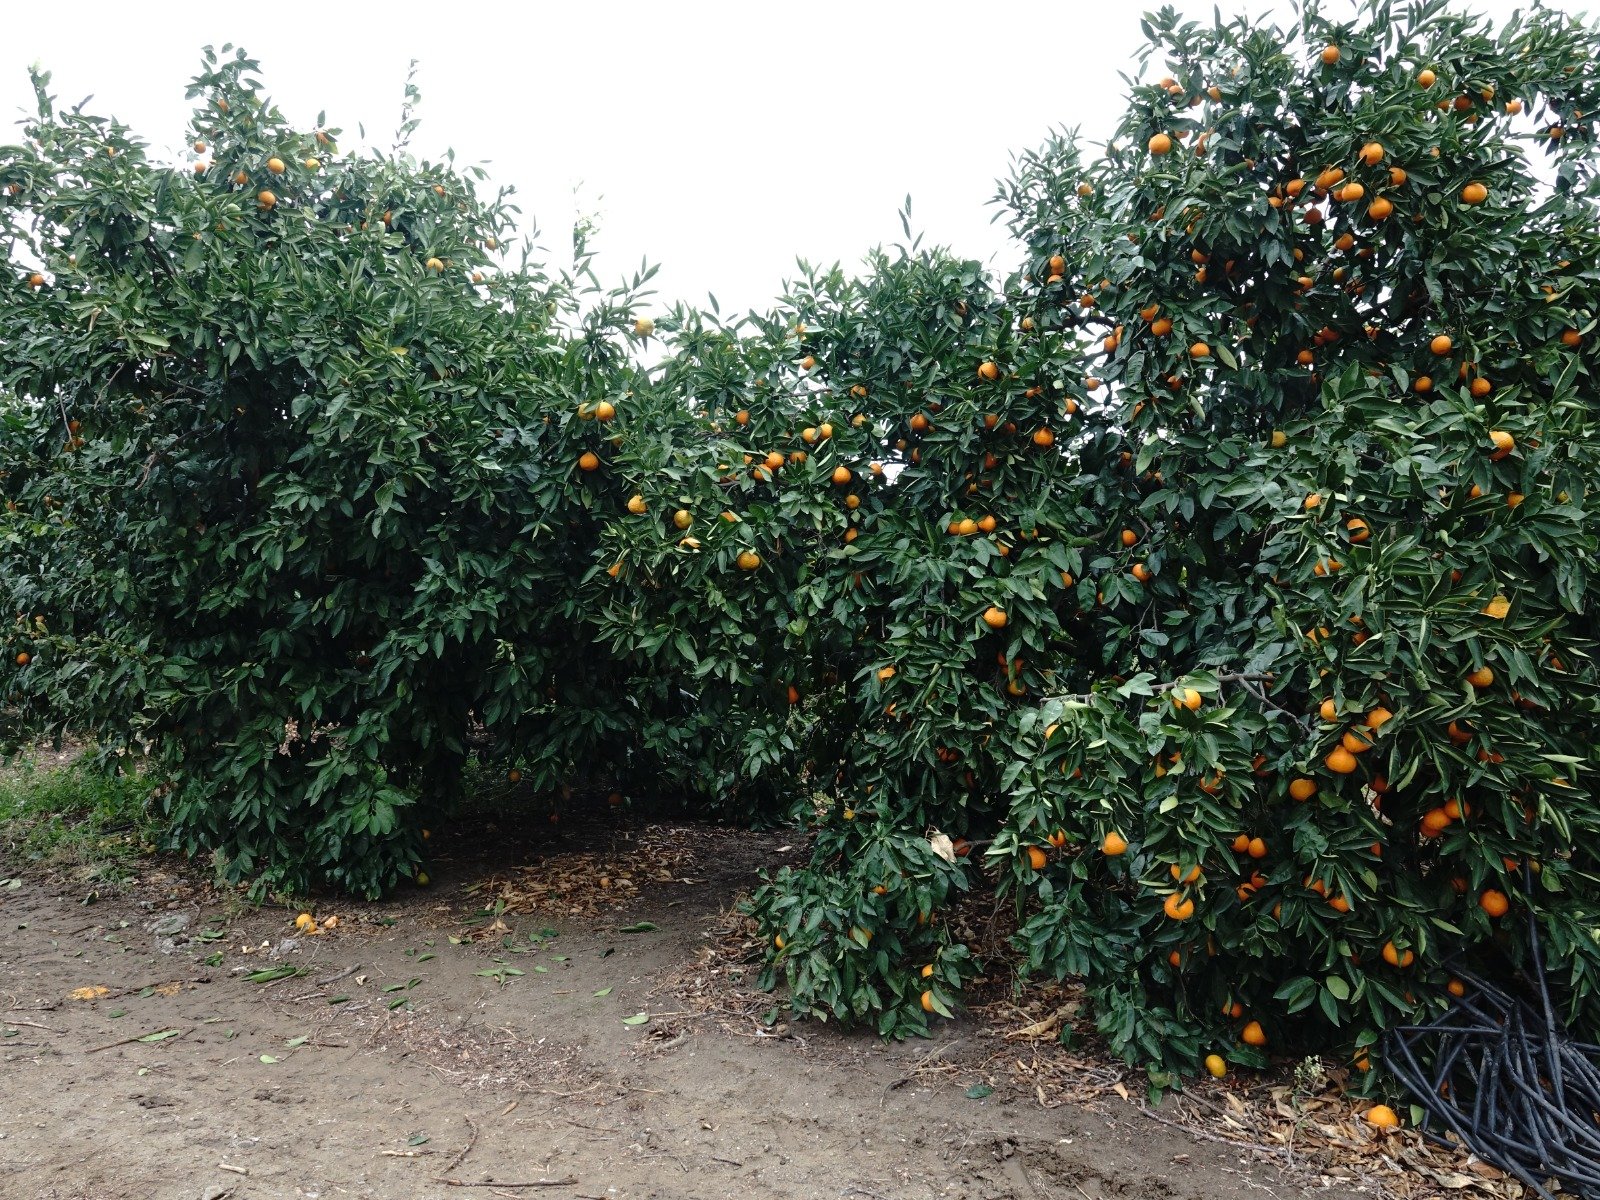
434	1043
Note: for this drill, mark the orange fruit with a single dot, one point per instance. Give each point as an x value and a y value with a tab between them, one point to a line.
1253	1035
741	418
1494	902
1302	789
1340	761
1481	678
1357	529
1036	858
988	371
842	476
1328	711
636	505
1382	1116
1355	742
1257	848
1114	845
1474	193
1396	957
1043	437
1380	208
1199	350
1161	143
1178	907
1456	988
994	618
23	658
748	560
1441	344
1378	717
1330	55
1426	78
275	165
683	518
1312	501
589	461
266	200
1372	153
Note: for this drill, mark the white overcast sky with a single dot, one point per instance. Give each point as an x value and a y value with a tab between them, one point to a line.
722	140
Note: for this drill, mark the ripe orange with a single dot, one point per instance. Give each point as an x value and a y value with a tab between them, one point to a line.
1178	907
1328	710
604	411
275	165
748	560
1036	858
1302	789
1474	193
1396	957
988	371
1313	500
1426	78
1187	698
1114	845
842	476
1503	443
1378	717
588	461
994	618
1253	1035
1330	55
807	363
741	418
1494	902
1357	529
1257	848
1355	742
1481	678
435	265
1340	761
1160	144
1140	572
1380	208
1441	344
1382	1116
1216	1066
1043	437
266	200
927	1002
636	504
1372	153
24	658
683	518
1199	350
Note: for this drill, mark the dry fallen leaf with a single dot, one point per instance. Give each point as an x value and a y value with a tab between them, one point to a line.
169	989
942	846
88	993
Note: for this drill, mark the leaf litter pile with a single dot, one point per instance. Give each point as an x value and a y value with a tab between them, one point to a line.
589	883
1301	1118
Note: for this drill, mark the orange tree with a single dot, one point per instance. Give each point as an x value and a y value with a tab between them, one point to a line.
294	480
1271	690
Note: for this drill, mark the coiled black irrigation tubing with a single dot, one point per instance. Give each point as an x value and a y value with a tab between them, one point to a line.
1499	1071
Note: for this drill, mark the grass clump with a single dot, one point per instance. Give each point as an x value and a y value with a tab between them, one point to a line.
75	818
